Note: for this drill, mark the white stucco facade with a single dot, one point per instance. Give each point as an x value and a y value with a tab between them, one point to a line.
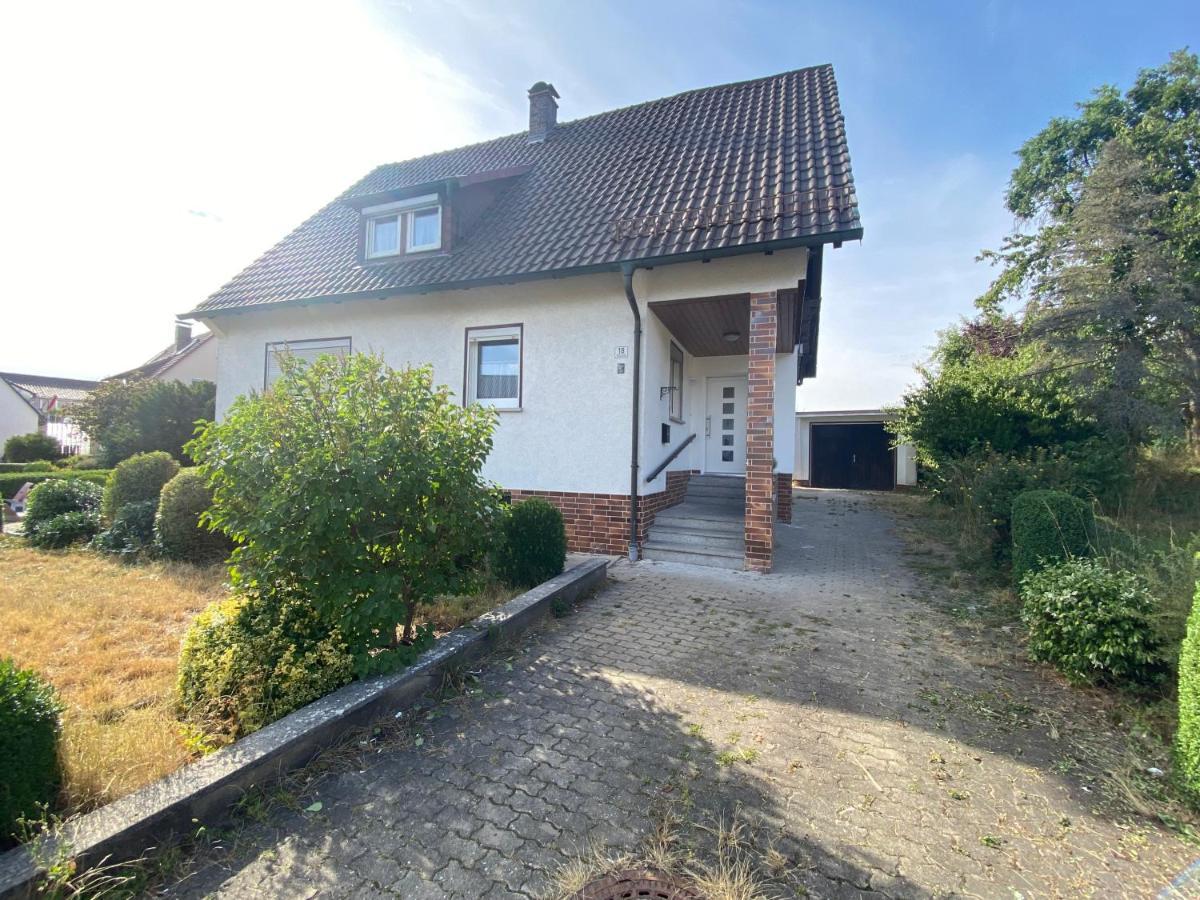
16	415
198	365
906	460
572	432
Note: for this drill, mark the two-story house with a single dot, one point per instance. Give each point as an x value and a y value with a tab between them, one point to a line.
636	292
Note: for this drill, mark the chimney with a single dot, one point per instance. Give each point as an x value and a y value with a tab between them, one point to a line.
543	111
183	334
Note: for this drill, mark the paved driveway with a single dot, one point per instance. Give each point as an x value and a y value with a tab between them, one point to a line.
868	740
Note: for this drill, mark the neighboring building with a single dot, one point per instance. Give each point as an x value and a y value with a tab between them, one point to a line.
40	403
188	359
851	449
637	292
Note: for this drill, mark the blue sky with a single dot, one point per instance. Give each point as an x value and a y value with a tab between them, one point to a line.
196	136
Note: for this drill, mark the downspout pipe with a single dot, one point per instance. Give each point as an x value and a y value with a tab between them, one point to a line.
627	270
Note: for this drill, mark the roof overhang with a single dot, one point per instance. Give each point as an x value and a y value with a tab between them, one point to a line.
836	238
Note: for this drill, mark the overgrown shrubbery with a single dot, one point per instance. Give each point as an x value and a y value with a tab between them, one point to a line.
131	530
245	662
11	482
1048	527
61	512
1092	624
25	448
138	479
37	465
179	532
124	418
29	728
1187	735
532	544
355	489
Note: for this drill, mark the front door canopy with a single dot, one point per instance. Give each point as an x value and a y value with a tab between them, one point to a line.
706	326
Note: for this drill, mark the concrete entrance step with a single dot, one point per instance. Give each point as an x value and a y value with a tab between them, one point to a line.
671	533
713	557
700	516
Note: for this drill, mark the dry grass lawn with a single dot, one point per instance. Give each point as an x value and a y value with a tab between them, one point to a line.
106	635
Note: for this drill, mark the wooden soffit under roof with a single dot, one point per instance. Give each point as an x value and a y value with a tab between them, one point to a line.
701	324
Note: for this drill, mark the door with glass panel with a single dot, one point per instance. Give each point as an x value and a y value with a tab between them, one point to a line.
725	426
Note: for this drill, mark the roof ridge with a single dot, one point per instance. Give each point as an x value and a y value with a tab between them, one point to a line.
569	122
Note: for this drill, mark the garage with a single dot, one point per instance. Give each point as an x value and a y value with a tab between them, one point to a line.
851	450
858	457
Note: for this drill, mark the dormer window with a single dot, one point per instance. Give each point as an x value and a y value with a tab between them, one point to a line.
405	226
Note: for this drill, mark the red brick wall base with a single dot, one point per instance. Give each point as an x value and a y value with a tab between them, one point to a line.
599	523
783	502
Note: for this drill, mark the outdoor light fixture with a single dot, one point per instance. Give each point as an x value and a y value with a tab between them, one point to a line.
731	337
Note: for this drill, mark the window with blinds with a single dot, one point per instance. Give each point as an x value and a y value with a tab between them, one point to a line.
306	351
493	375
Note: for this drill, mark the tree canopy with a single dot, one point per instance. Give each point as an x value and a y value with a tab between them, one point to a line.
1106	254
124	418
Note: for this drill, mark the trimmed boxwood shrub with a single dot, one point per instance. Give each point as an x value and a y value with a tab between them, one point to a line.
23	448
532	544
131	531
11	482
180	534
1092	624
137	479
1187	735
62	511
29	727
1048	526
247	661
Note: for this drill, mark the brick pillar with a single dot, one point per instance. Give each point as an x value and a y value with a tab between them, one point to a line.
760	432
783	507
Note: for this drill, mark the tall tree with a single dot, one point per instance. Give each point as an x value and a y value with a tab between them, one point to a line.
1107	249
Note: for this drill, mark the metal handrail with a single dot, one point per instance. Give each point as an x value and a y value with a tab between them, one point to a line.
670	458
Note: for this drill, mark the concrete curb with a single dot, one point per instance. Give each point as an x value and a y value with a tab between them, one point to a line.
206	790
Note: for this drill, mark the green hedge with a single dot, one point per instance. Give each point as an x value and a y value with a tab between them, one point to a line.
29	727
1091	623
138	479
39	465
10	482
532	544
1187	736
180	534
1049	526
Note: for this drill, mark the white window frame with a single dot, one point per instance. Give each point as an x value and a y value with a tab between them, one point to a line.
335	346
404	210
409	246
487	335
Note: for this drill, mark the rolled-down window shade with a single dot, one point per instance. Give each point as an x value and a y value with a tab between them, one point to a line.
305	351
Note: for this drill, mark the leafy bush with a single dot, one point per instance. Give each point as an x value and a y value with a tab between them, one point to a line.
81	463
11	482
25	448
29	727
124	418
65	530
1049	526
1187	736
1091	623
356	488
532	544
37	465
246	662
179	531
131	531
61	512
137	479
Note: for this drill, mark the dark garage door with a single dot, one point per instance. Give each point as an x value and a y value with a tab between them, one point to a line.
852	456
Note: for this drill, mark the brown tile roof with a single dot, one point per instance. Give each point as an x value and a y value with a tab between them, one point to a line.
716	170
67	389
164	359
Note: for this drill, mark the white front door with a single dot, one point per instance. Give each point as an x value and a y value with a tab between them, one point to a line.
725	426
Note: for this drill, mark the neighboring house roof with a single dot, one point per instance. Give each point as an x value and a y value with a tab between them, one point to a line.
165	359
740	167
45	387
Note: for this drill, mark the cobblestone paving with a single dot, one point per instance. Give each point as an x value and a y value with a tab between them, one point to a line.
834	700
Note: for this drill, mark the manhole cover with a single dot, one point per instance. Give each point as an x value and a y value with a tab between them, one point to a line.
638	883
